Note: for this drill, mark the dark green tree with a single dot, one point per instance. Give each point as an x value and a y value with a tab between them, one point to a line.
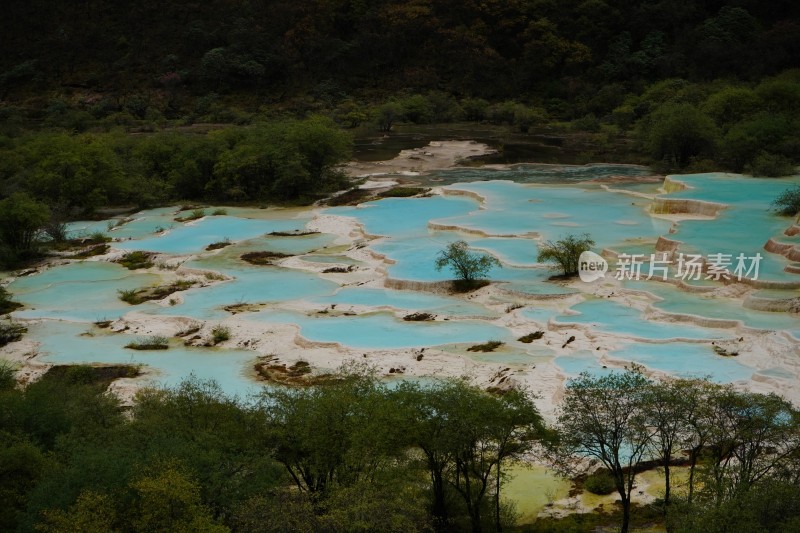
603	418
21	220
676	133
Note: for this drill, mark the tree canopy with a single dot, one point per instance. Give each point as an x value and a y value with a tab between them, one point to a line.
468	266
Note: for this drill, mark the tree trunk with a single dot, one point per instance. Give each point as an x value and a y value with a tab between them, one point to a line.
475	515
498	526
474	511
626	514
692	465
666	483
439	509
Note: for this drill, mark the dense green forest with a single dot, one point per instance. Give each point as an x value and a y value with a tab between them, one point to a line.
109	97
273	50
357	455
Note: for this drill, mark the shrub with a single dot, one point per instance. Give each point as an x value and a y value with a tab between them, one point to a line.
194	215
8	378
6	304
772	165
99	237
263	258
11	332
489	346
220	334
600	482
419	317
530	337
218	245
788	202
130	296
154	342
136	260
219	212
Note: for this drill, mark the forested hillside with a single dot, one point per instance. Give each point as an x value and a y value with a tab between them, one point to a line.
111	103
275	49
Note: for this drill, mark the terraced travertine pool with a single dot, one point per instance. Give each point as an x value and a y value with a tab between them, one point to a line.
329	299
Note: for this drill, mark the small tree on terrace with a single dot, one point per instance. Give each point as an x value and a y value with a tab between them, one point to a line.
468	266
565	252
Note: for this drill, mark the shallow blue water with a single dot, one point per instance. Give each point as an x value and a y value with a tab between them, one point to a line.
66	343
193	238
685	360
85	291
252	284
554	212
612	317
745	226
404	217
383	330
682	302
407	300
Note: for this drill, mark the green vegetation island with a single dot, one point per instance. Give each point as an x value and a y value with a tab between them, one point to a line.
319	266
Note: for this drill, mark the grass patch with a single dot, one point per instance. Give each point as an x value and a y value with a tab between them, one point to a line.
191	330
339	270
262	258
98	237
95	239
99	249
136	260
11	332
351	197
221	212
242	307
220	334
115	223
154	342
6	303
462	285
196	214
129	296
298	374
419	317
137	296
403	192
295	233
486	347
719	350
218	245
530	337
